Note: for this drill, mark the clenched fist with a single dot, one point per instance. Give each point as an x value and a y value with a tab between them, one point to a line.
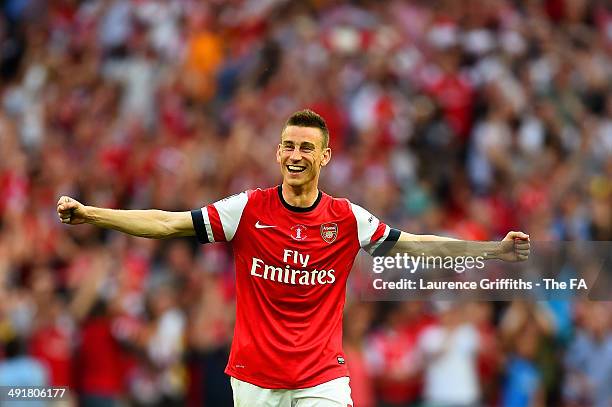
71	211
515	247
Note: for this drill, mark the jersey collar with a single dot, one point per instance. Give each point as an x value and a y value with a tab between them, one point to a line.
297	208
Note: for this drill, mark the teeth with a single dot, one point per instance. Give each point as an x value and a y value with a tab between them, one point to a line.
295	168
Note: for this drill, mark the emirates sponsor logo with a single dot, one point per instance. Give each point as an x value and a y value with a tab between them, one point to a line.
329	232
298	232
289	275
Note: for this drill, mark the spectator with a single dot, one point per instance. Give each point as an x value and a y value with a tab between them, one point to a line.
525	330
523	384
393	354
19	369
589	360
450	353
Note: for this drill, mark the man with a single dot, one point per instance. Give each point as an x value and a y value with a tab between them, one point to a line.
19	370
294	247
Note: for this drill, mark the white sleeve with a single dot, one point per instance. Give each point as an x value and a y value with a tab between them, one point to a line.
219	221
371	232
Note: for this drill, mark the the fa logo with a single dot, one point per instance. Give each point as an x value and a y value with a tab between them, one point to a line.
329	232
298	232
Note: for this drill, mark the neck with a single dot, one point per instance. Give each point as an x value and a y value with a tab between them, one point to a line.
300	197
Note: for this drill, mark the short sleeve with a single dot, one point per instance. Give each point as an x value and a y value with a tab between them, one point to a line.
219	221
371	232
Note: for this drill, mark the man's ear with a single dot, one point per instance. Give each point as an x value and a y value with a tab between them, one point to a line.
326	156
278	154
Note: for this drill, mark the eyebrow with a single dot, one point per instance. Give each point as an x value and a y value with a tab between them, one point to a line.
305	144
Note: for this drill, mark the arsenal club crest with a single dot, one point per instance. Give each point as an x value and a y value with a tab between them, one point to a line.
298	232
329	232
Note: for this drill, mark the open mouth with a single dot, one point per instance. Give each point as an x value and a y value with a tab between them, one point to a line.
295	169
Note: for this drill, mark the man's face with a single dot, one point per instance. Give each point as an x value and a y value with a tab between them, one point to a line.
301	155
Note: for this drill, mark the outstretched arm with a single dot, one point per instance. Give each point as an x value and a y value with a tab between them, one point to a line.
152	223
514	247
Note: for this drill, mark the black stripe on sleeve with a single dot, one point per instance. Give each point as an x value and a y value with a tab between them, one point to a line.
198	224
388	243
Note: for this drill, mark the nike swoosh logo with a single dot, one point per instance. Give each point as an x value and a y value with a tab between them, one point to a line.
260	226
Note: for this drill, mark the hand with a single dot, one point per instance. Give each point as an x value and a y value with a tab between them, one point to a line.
515	247
71	211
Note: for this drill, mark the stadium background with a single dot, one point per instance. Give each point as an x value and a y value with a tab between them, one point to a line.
468	118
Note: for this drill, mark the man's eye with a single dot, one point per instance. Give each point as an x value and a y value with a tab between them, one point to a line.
307	149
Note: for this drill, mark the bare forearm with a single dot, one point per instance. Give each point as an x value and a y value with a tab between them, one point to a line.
150	223
432	245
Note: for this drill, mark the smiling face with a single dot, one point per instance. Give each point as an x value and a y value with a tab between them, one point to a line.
301	155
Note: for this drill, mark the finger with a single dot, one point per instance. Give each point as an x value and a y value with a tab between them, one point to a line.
67	206
518	235
65	200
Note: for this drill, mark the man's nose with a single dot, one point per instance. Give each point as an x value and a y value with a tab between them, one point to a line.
295	155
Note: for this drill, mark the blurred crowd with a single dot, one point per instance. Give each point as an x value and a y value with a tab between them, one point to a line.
466	118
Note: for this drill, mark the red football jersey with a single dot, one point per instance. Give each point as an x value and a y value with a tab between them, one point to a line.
292	265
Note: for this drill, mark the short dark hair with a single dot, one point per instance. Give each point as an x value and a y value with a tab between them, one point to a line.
15	347
308	118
